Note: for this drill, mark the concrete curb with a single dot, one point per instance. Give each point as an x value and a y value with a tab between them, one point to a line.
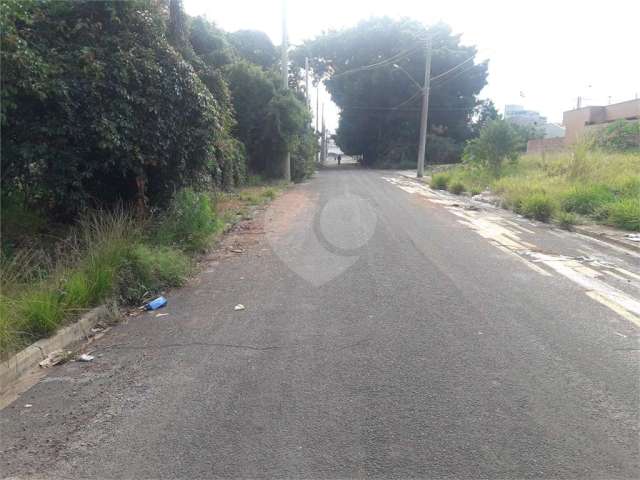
603	237
23	362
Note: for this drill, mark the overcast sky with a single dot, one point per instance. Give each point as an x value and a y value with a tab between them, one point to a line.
550	51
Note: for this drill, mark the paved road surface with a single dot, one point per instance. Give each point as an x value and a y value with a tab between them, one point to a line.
389	332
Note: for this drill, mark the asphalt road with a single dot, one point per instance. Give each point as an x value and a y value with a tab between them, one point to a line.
389	332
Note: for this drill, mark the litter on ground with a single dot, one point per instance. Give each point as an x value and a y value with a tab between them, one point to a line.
54	358
85	357
156	304
239	307
161	314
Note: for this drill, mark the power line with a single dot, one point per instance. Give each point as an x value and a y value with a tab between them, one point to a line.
455	76
453	68
383	63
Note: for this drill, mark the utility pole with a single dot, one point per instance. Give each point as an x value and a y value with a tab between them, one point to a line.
306	82
285	82
323	142
317	107
425	109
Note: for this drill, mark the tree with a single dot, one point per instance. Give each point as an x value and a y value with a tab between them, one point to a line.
380	105
101	108
254	47
484	113
498	141
252	90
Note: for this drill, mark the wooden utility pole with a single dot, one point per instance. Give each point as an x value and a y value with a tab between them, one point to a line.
425	110
306	82
285	82
317	107
323	142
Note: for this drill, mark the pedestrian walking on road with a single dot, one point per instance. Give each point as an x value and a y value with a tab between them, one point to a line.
339	159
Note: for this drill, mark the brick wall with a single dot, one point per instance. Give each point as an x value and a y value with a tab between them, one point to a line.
539	145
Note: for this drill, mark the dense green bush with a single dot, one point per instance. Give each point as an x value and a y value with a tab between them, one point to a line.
498	142
104	109
442	150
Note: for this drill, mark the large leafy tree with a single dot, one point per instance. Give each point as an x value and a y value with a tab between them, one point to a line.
267	120
371	72
255	47
100	107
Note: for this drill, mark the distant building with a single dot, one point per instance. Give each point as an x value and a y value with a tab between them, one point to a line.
553	130
526	118
518	115
579	121
582	120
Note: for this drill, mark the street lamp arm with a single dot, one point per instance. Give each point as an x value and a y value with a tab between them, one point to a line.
398	67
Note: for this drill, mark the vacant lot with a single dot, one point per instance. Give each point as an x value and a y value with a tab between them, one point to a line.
569	187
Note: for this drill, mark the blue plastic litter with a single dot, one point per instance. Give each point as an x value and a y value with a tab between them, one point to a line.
157	303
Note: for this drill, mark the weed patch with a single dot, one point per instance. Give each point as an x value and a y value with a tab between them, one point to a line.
439	181
537	206
147	270
189	222
625	214
456	187
585	199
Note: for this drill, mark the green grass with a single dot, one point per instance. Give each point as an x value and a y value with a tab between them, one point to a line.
109	255
537	206
41	311
585	199
566	220
189	223
439	181
591	185
147	270
456	187
625	214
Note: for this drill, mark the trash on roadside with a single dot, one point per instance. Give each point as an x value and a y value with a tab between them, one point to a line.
156	304
28	405
239	307
54	358
634	237
236	250
97	329
161	314
85	357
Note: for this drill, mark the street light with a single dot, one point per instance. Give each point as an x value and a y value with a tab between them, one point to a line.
398	67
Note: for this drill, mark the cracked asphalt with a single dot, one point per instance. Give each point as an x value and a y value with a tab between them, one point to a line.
411	340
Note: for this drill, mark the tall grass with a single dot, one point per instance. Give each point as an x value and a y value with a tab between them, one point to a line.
189	222
591	185
107	254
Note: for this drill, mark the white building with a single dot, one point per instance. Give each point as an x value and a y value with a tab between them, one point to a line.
518	115
527	118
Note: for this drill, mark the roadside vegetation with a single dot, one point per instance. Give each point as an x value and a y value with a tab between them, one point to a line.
126	127
113	255
598	180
